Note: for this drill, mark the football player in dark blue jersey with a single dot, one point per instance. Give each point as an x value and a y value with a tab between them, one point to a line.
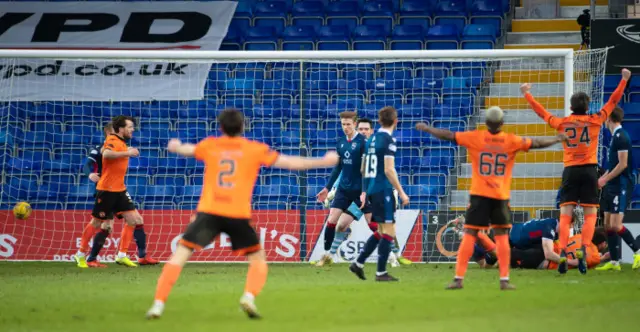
380	178
618	183
350	149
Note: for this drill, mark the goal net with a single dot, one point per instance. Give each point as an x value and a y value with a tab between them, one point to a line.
291	101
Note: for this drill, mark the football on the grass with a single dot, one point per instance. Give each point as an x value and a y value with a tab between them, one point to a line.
22	210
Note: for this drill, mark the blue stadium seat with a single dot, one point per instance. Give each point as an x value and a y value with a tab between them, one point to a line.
299	38
270	8
387	99
68	179
261	39
478	36
486	8
314	21
273	193
333	38
244	8
493	21
442	37
53	127
157	193
426	84
422	195
19	165
277	23
453	84
611	82
360	74
342	8
378	7
289	138
308	9
634	85
473	73
63	164
451	8
423	21
435	182
51	191
350	21
631	110
407	37
22	187
35	155
439	158
369	37
633	128
415	8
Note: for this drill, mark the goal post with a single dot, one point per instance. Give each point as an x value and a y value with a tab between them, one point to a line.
54	103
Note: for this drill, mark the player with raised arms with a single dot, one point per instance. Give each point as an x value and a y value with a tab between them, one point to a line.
492	153
350	148
580	175
618	183
232	164
380	178
365	128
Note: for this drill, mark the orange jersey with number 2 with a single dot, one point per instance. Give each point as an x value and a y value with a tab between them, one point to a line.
232	165
492	159
583	131
575	242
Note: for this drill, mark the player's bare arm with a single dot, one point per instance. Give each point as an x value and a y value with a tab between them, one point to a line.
549	254
623	159
176	146
392	175
443	134
109	154
535	105
545	142
294	163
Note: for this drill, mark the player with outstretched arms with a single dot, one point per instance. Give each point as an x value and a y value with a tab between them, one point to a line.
492	153
365	128
380	178
112	197
350	149
232	164
618	183
580	175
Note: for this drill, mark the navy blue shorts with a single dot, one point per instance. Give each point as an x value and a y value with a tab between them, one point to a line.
615	200
343	199
383	207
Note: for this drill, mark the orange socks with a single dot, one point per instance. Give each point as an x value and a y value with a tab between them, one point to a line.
168	278
486	242
125	238
88	232
465	251
504	255
564	230
588	228
256	277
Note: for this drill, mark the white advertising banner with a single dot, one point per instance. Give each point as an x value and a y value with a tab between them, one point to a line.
152	26
350	249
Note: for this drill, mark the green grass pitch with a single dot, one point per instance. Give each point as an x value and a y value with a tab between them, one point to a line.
61	297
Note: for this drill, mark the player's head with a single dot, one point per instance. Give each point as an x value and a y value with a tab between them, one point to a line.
123	126
365	127
388	117
231	122
600	238
108	129
494	119
580	103
615	118
348	122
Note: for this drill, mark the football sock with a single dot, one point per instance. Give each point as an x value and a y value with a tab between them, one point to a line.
125	240
87	234
256	277
141	240
626	235
168	277
588	228
337	241
329	235
486	242
373	227
384	248
369	247
98	243
564	229
504	255
465	251
395	248
612	241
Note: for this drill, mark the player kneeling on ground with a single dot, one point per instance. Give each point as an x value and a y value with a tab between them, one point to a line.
232	164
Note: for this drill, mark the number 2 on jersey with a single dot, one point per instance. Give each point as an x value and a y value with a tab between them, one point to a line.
572	133
370	166
227	170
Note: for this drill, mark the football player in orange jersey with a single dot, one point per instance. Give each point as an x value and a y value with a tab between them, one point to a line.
492	153
580	175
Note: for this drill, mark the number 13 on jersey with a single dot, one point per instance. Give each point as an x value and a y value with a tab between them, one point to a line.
370	166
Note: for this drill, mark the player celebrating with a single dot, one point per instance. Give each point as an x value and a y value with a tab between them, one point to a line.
350	148
492	154
112	196
232	166
618	183
93	168
580	175
365	128
380	178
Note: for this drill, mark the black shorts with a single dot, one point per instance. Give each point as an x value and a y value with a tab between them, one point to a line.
343	199
383	207
108	203
527	259
614	199
579	185
202	231
484	212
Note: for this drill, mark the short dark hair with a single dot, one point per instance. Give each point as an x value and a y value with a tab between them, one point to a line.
365	120
120	121
387	116
348	115
231	121
599	236
580	103
616	115
107	127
